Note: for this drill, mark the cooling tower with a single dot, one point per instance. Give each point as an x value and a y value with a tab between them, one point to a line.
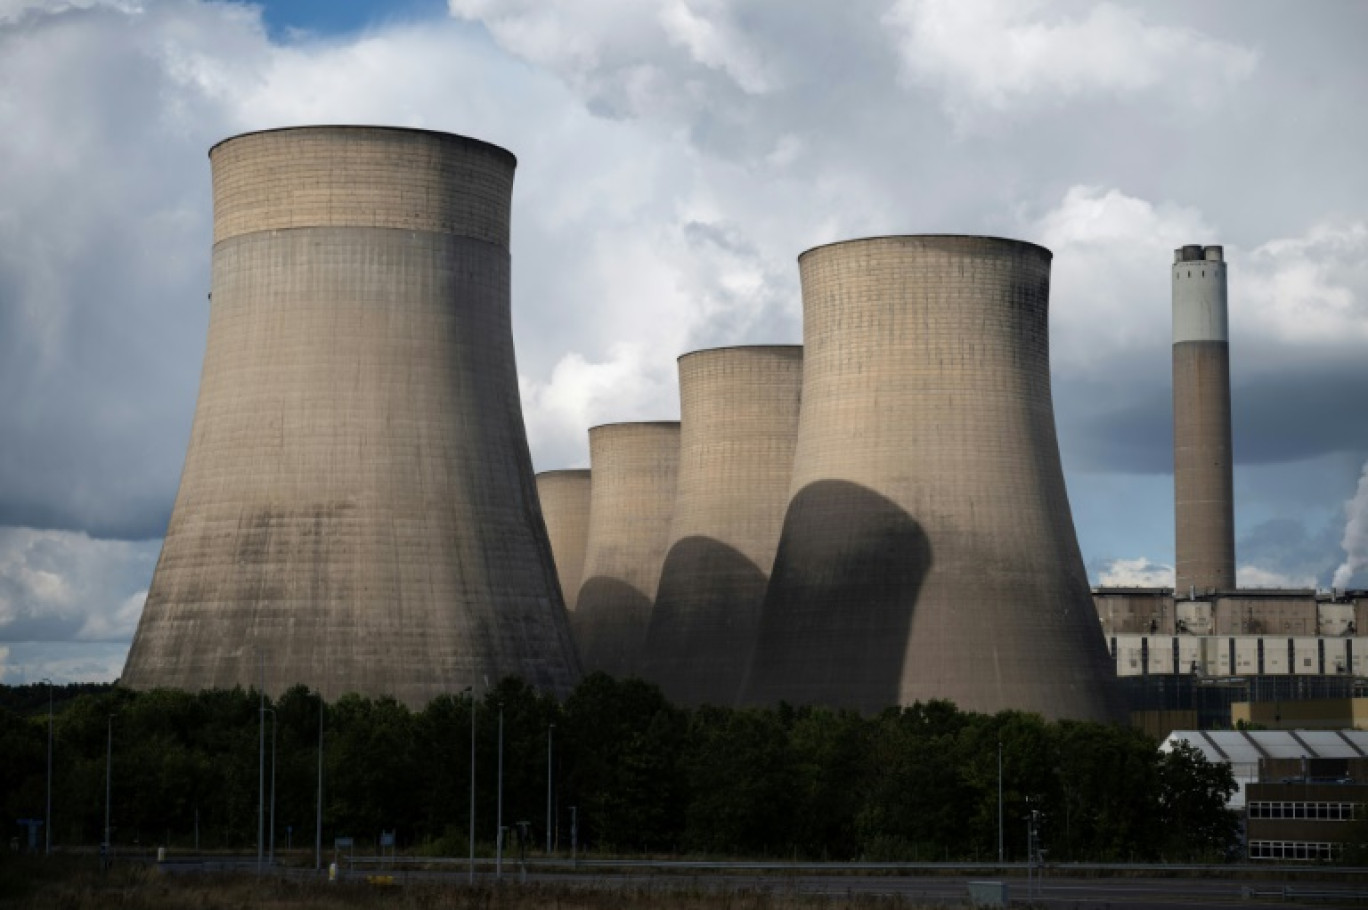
357	510
635	466
1203	486
564	499
738	427
928	550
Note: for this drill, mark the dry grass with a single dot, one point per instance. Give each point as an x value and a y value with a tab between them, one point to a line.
74	884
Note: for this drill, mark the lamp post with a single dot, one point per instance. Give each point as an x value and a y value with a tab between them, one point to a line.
47	819
472	782
109	765
1000	853
261	776
270	854
498	838
550	735
261	785
318	829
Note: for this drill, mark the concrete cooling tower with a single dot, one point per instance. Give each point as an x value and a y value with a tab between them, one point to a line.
357	510
928	550
738	427
564	499
635	466
1203	485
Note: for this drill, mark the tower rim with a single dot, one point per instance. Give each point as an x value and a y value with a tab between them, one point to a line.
634	423
563	472
497	150
1049	255
783	348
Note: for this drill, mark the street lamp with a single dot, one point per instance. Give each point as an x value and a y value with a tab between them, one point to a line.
109	764
261	783
47	821
318	830
270	854
498	838
261	775
1000	851
471	690
550	735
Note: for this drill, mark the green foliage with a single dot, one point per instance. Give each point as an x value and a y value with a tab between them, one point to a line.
914	783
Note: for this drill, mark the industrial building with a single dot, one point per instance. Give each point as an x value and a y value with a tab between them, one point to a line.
928	549
1186	655
357	510
1193	658
635	468
1299	791
738	428
564	499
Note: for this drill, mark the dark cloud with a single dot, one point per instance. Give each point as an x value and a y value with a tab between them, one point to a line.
1293	549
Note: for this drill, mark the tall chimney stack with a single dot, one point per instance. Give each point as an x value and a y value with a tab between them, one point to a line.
1204	510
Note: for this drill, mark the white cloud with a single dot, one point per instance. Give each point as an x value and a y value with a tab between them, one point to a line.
1135	573
62	586
712	39
611	51
1306	291
1355	540
1109	278
1006	55
1256	577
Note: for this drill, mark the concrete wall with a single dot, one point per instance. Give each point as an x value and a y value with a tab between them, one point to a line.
928	549
635	468
564	499
738	427
1204	510
1135	611
357	510
1251	613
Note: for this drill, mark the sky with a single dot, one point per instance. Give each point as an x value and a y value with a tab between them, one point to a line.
675	157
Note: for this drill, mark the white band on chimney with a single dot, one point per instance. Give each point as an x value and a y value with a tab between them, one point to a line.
1199	299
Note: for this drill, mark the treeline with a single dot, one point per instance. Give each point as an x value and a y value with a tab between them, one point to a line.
918	783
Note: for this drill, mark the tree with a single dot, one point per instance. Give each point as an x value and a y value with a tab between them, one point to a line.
1193	797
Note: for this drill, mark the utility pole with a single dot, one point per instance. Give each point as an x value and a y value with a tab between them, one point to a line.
47	821
109	765
550	734
1000	853
275	730
261	760
318	822
498	839
472	783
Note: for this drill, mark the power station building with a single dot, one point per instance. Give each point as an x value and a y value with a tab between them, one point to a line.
928	549
357	510
565	506
1185	655
635	470
738	428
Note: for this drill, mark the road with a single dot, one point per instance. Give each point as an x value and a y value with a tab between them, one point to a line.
1081	889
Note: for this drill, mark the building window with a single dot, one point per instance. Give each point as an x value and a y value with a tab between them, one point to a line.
1304	851
1320	811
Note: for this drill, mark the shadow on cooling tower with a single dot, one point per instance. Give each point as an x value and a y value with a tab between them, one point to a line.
838	611
703	625
609	626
